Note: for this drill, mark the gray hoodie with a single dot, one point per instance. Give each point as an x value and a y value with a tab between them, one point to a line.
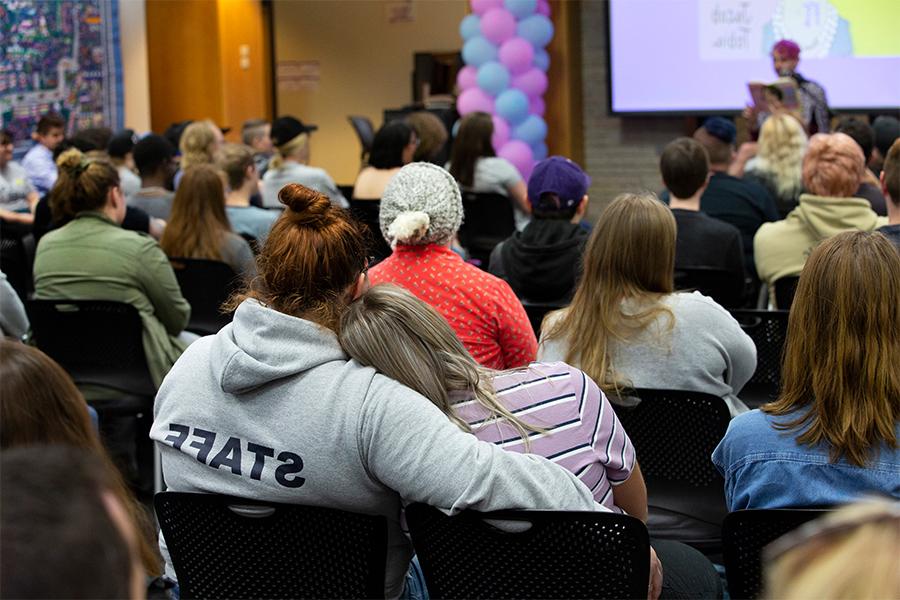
271	408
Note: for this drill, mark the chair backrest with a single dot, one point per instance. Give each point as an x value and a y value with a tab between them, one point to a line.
97	342
536	312
674	434
228	547
768	330
744	535
723	286
488	219
17	257
367	212
206	285
364	131
561	555
785	288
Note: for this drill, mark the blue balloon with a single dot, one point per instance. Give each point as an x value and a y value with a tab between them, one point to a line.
512	105
455	129
537	29
470	27
521	8
493	77
541	59
478	51
531	131
539	150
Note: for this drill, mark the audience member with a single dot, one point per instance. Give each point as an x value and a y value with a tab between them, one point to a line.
831	435
890	185
41	405
832	170
887	131
92	141
174	132
433	136
778	165
385	444
627	329
542	263
120	150
702	241
38	162
154	157
199	145
17	196
64	532
239	166
13	319
421	211
477	169
93	258
199	227
290	164
255	135
864	136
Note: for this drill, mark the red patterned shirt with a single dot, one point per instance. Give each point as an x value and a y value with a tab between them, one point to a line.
483	310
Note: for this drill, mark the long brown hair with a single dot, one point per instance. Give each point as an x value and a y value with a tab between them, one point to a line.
83	184
40	405
472	142
313	254
629	256
840	360
198	223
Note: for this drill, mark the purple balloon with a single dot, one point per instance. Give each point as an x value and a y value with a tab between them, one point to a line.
516	55
474	100
501	132
520	155
479	7
467	78
543	8
498	25
533	82
536	106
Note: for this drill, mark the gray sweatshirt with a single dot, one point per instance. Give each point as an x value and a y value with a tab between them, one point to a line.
294	172
271	408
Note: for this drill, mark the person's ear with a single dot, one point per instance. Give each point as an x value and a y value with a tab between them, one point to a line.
582	207
361	286
883	180
248	174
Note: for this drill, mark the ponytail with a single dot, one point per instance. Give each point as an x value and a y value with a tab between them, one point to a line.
83	184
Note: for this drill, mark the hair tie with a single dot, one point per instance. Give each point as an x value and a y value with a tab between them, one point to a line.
82	166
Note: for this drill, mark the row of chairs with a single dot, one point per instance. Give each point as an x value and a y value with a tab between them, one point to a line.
225	547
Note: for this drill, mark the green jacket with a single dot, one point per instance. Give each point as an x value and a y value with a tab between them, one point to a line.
92	258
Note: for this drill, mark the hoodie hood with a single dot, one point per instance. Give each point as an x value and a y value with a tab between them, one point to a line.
262	345
825	217
542	262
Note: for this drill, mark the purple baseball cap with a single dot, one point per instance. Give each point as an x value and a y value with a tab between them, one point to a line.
561	176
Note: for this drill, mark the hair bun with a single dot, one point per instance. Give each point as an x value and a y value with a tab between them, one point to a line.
409	226
72	161
305	206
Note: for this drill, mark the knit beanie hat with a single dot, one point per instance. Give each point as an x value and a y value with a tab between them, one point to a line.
421	205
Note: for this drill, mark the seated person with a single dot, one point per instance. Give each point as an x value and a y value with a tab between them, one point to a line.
255	135
199	227
121	154
13	318
778	163
831	436
38	162
542	262
154	158
199	144
432	135
864	136
890	186
17	196
702	242
887	131
626	327
421	211
93	258
237	162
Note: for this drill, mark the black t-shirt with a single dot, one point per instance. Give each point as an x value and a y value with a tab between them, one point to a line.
705	242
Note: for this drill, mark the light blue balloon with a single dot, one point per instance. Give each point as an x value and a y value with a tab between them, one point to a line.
531	131
521	8
542	59
470	27
512	105
493	77
455	129
539	150
478	51
537	29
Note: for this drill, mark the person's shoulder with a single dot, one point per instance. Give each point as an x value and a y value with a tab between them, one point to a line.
694	305
497	164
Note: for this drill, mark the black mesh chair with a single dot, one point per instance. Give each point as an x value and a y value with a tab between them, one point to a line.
206	285
561	554
725	287
674	434
367	213
536	312
768	329
365	131
17	257
227	547
785	288
488	219
744	535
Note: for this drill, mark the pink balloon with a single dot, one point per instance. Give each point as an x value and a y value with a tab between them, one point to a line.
467	78
479	7
533	82
536	106
543	8
519	154
474	100
516	55
498	25
501	132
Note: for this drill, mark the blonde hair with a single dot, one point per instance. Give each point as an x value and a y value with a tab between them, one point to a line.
629	256
234	160
196	144
295	147
853	555
404	338
782	145
834	165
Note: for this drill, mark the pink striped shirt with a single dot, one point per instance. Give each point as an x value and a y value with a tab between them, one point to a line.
582	435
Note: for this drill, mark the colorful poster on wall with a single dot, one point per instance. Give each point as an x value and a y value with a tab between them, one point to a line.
60	55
